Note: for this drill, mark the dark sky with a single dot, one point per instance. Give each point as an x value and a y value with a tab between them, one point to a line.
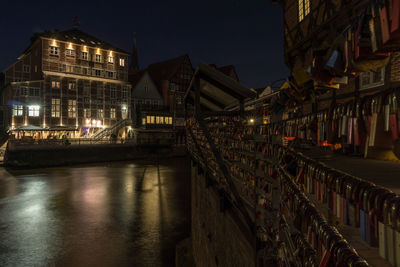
245	33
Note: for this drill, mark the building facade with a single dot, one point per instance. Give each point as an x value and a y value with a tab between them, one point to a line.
68	79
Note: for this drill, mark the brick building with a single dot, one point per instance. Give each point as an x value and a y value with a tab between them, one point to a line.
68	80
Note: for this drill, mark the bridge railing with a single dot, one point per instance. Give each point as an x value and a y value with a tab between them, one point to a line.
270	181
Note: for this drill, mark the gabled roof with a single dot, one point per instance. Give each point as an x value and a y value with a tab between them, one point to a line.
135	77
165	70
228	70
78	37
217	90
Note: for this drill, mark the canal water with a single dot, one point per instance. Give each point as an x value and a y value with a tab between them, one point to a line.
109	214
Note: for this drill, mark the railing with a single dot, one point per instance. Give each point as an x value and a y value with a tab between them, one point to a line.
262	173
66	142
108	131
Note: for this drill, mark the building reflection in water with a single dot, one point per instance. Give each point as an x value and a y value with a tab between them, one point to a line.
115	214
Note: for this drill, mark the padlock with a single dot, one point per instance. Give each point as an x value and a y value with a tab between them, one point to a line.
396	228
364	219
386	241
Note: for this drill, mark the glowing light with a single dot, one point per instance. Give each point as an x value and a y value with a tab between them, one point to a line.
110	53
88	121
84	48
93	122
251	120
70	46
53	43
99	123
98	51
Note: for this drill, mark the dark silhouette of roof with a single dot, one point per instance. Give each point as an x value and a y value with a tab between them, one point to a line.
165	70
228	70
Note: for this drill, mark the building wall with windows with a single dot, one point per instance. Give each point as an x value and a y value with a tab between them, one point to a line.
68	79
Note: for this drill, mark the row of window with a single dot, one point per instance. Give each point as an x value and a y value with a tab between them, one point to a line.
156	120
54	51
33	110
28	91
86	89
89	71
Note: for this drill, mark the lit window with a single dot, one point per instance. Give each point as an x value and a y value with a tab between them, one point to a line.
70	52
152	119
169	120
112	113
86	113
304	9
85	55
100	113
98	58
72	108
143	121
55	107
162	120
53	51
122	62
18	110
124	112
148	119
33	111
55	84
158	120
110	59
72	85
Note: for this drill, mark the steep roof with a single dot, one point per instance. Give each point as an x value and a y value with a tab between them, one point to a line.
135	77
165	70
229	70
78	37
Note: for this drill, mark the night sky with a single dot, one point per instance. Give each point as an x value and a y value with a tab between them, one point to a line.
245	33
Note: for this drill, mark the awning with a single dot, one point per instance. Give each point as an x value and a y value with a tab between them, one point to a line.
217	91
29	128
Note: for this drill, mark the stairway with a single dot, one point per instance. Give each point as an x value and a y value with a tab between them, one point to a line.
110	130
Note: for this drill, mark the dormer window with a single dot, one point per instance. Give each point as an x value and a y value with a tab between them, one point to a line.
98	58
53	51
304	9
85	55
110	59
122	62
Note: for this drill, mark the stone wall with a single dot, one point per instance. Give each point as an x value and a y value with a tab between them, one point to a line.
35	156
218	238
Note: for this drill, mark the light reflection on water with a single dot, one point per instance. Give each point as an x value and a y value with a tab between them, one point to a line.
114	214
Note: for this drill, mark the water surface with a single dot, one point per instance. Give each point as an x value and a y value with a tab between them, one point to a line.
110	214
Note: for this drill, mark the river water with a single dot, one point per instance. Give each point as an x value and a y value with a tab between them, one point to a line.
108	214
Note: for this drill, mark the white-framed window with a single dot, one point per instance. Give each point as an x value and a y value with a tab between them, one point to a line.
124	111
113	93
71	85
124	92
304	9
69	68
26	68
112	113
85	71
55	107
33	111
18	110
86	112
372	79
97	58
55	84
53	50
84	55
23	90
97	73
71	108
34	91
122	62
110	59
70	52
100	113
110	74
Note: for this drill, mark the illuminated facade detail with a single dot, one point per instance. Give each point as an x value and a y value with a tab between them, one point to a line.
304	9
75	82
